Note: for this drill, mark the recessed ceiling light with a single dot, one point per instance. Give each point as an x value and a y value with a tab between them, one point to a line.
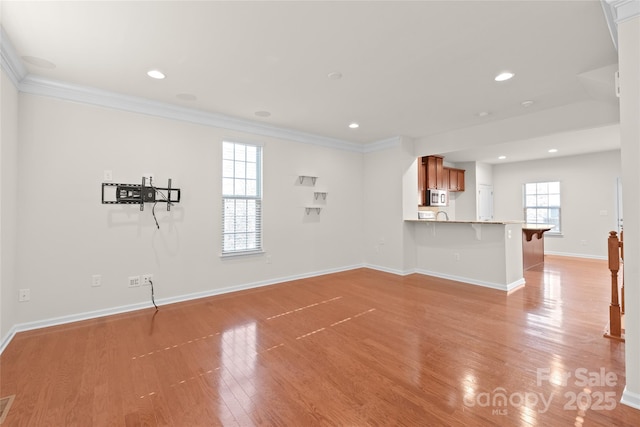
38	62
502	157
156	74
354	126
527	103
186	96
483	114
506	75
335	75
262	113
553	150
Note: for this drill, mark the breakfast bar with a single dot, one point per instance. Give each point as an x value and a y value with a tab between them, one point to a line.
533	244
483	253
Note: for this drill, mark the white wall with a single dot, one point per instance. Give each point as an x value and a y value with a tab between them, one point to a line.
629	60
390	193
484	174
66	234
8	202
588	198
466	201
483	254
476	174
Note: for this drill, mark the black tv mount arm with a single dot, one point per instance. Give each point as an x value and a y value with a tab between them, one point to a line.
139	194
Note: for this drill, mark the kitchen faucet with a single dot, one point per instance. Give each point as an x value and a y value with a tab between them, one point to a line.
446	215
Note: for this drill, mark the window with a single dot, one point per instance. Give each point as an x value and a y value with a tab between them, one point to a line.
542	204
241	198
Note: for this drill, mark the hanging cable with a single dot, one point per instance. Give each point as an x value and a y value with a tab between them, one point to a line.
153	300
153	209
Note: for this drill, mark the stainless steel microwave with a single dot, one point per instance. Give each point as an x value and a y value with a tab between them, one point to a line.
437	198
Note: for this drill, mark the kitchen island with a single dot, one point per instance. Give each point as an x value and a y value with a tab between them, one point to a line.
533	244
483	253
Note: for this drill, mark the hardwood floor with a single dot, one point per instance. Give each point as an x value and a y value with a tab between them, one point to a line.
349	349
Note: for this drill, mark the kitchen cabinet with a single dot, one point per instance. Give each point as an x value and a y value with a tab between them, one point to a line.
422	181
455	179
435	173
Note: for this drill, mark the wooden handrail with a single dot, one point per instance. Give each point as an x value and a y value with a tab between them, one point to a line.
615	314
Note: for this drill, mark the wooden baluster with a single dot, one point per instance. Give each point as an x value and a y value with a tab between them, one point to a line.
615	327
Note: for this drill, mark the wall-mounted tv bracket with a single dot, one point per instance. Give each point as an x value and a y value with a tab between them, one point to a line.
139	194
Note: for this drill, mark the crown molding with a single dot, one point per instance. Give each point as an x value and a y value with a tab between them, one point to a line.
37	85
624	9
383	144
10	61
618	11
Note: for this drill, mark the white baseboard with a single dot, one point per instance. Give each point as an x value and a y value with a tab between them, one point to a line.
389	270
253	285
508	287
572	255
630	398
7	339
55	321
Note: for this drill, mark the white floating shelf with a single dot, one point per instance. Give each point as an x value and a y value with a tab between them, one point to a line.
322	194
312	178
313	208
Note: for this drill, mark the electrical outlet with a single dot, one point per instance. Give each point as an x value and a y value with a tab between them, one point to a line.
147	279
96	280
134	281
24	295
456	256
108	175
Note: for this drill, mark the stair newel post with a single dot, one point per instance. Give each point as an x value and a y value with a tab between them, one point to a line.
615	327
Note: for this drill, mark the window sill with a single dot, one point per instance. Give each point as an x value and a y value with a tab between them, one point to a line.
241	254
550	234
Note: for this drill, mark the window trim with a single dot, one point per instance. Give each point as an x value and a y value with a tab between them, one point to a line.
242	253
259	249
555	232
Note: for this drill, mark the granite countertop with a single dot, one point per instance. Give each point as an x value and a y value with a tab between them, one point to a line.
544	227
453	221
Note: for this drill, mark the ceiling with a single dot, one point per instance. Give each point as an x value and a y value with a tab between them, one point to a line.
572	143
415	68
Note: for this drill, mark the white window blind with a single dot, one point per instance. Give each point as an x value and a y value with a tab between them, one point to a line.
542	204
241	198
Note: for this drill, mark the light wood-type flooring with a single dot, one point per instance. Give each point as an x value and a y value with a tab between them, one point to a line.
355	348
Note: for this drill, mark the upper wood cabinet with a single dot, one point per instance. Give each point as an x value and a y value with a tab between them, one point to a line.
456	179
422	181
433	175
435	172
